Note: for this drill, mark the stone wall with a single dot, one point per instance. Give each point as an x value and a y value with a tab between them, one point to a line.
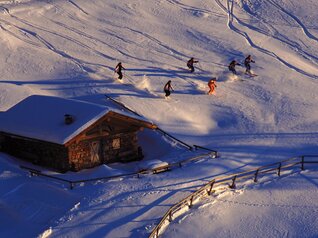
88	153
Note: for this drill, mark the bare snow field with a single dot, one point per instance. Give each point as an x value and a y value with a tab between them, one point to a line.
69	49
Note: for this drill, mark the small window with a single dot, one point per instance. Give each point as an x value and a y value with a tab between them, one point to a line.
116	143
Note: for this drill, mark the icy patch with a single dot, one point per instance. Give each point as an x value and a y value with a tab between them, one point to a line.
152	164
46	233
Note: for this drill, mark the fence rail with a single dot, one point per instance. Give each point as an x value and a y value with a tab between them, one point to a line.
189	147
230	181
72	183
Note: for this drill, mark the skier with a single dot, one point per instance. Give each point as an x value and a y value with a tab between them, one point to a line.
212	85
168	88
248	60
190	64
118	69
232	66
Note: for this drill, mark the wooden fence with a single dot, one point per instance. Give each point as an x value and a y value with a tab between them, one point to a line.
72	183
229	181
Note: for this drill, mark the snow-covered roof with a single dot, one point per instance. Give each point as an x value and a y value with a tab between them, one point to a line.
42	118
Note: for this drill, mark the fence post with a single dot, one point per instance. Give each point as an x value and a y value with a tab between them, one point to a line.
302	162
210	190
233	183
170	216
71	185
191	200
255	177
279	168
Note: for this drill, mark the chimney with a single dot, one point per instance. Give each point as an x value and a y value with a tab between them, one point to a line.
68	119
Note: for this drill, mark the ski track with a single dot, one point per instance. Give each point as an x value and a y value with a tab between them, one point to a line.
275	34
48	45
168	51
298	21
63	54
195	10
231	17
78	7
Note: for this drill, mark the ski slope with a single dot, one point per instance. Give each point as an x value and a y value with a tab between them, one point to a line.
69	48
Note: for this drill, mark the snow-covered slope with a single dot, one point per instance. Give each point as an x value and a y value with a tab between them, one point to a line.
70	48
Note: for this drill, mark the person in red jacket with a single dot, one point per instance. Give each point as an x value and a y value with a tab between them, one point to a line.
212	85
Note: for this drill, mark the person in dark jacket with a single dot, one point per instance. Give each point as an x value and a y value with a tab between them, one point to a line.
168	88
190	64
247	62
118	70
232	66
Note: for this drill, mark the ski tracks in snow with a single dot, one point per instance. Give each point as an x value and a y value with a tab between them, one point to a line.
296	19
229	10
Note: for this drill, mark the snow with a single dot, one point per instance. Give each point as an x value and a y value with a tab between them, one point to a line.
66	51
42	117
279	208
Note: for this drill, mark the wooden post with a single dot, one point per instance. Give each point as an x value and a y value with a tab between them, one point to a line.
279	168
170	216
157	235
191	200
210	190
233	183
71	185
302	162
255	177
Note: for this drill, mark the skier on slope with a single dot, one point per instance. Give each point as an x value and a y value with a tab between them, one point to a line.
118	70
232	66
190	64
212	85
168	88
247	62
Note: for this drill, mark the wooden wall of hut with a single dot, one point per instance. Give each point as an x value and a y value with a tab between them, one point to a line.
36	151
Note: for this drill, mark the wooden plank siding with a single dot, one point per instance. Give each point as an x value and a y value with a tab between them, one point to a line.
36	151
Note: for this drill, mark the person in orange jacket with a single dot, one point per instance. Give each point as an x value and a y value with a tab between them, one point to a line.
212	85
